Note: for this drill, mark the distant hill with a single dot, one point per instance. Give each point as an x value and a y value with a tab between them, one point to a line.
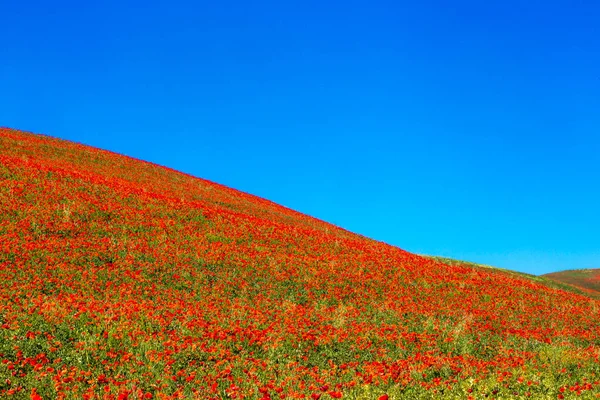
584	282
121	279
585	278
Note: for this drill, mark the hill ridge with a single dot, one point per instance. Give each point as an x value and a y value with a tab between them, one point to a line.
586	278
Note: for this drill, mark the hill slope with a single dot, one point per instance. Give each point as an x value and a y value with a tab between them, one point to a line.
584	282
123	278
584	278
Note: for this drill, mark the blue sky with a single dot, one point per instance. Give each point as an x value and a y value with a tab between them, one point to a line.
469	129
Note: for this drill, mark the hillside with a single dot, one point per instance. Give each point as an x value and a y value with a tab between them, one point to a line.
123	279
584	278
585	282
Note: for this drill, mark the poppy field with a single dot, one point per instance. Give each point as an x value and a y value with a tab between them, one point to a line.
121	279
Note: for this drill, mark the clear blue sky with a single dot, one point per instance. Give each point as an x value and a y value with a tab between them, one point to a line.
469	129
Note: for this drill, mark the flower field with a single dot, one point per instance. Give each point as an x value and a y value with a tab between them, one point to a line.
121	279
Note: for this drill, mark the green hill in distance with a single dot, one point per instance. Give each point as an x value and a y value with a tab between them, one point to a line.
585	278
580	281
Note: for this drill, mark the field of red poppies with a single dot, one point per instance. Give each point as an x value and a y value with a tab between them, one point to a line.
120	279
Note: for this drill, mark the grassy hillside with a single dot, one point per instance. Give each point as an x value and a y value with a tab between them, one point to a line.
584	282
124	279
584	278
